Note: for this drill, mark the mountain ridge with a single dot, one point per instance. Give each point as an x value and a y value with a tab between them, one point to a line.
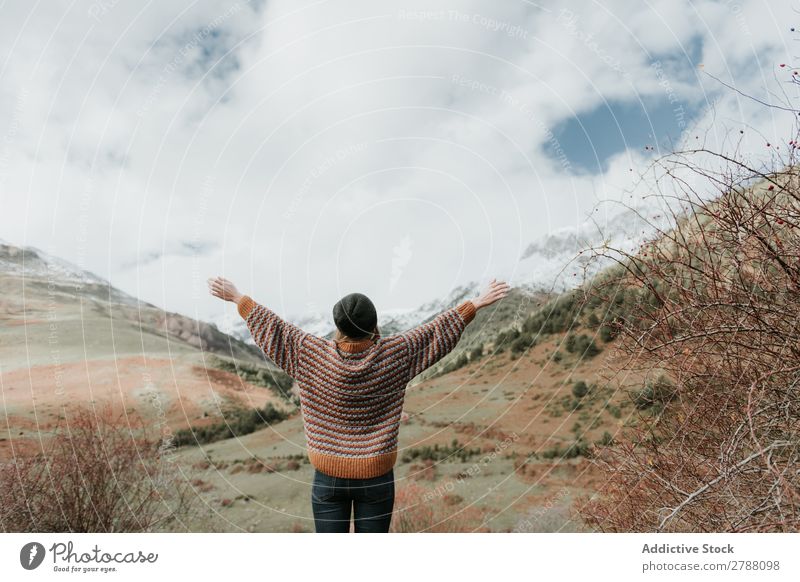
551	263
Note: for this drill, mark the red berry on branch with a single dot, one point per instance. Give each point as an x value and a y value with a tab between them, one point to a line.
771	187
782	65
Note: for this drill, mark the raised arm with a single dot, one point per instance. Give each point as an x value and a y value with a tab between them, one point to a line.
430	342
277	338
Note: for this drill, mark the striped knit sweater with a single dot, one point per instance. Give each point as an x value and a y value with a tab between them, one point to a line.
351	392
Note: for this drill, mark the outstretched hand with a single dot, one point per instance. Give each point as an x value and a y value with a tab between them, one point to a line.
224	289
495	291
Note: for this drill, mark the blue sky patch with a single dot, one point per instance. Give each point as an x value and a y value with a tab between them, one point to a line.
590	139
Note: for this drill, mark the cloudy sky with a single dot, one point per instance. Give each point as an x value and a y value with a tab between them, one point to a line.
310	149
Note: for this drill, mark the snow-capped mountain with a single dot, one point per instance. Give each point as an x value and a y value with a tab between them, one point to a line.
552	263
66	283
389	321
32	263
555	262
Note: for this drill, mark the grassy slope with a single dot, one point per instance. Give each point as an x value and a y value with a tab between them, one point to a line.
59	345
137	357
510	414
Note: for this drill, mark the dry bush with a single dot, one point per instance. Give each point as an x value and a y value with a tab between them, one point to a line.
713	305
416	510
99	472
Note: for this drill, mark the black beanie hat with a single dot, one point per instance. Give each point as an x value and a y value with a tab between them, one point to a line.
355	315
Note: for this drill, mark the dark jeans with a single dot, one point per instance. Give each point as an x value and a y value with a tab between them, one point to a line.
334	499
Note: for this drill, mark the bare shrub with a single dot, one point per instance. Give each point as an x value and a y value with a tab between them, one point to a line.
713	309
99	472
416	510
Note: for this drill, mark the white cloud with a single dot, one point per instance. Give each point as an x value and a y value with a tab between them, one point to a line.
301	143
